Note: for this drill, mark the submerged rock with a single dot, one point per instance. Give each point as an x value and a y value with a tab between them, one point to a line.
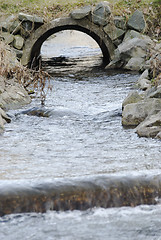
39	112
43	112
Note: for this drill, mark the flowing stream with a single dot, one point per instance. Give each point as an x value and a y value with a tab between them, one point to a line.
82	138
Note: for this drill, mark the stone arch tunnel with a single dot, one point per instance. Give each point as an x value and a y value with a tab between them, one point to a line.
32	47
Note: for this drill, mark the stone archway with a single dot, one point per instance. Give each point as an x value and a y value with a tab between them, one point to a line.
32	47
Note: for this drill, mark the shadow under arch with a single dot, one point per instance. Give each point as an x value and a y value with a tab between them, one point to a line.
32	48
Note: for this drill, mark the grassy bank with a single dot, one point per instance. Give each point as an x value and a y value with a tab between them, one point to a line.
50	9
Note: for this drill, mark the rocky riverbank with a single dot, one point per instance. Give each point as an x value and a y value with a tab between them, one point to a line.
12	93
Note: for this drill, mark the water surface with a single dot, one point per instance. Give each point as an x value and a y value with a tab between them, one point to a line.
84	137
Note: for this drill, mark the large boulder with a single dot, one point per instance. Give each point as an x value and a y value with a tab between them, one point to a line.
150	127
14	96
137	21
101	14
131	54
132	97
135	47
135	113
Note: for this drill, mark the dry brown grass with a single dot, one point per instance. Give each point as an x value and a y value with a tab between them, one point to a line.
32	80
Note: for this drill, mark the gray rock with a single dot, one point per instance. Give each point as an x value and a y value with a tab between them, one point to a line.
135	64
117	42
30	18
135	113
131	54
101	14
137	21
113	32
144	75
132	97
38	112
8	38
120	22
130	34
149	91
15	27
7	23
117	62
43	112
143	84
14	97
29	23
18	42
81	13
156	94
150	127
134	48
4	116
3	27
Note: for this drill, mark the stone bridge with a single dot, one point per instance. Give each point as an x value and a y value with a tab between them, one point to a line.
31	51
27	33
97	23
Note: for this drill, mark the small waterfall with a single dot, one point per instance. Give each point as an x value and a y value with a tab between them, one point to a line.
80	194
